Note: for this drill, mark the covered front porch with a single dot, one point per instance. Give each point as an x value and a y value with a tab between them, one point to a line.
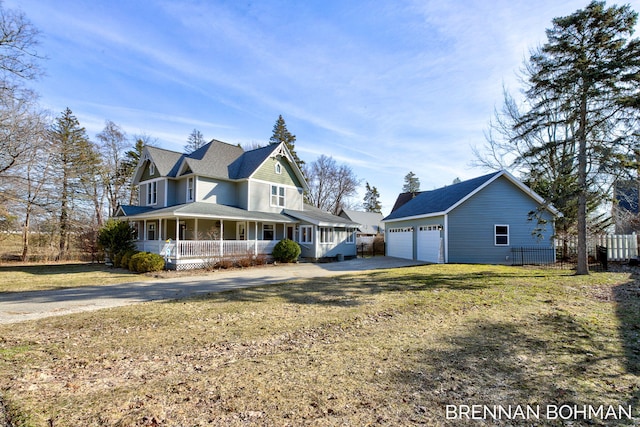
188	241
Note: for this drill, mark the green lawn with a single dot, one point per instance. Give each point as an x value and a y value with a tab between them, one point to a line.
37	277
383	348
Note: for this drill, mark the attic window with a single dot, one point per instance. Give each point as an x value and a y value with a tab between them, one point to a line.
152	169
278	168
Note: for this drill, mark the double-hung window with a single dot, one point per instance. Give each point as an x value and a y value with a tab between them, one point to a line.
152	193
190	189
306	234
326	234
501	235
351	236
277	196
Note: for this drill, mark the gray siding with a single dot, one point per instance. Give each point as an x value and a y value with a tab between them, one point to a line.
214	191
260	198
160	193
471	225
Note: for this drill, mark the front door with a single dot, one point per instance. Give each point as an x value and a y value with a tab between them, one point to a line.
241	231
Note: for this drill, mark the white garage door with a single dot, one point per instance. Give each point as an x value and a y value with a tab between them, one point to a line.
400	244
429	244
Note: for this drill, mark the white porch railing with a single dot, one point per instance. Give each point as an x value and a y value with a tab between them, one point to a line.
213	249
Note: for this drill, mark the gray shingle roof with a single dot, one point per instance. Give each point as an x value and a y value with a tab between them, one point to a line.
213	159
370	222
319	217
441	199
204	209
166	161
247	164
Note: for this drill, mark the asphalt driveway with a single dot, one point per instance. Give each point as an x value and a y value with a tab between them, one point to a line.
21	306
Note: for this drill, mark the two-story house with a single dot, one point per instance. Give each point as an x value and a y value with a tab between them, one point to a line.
221	201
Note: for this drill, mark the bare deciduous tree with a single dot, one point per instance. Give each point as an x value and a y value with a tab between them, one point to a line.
330	185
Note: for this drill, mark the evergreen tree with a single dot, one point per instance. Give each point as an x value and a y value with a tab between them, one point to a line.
411	183
194	141
74	158
281	134
372	200
588	72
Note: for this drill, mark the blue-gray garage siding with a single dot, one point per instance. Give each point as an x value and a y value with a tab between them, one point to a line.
471	225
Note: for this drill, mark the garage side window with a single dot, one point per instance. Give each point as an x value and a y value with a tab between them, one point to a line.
501	235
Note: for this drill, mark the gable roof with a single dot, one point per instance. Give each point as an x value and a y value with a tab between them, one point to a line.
212	159
250	161
217	159
443	200
165	160
370	222
404	198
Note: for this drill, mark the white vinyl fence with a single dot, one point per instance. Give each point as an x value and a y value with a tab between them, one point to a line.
620	247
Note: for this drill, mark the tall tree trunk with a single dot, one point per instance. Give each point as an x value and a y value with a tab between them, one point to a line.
64	222
25	235
583	265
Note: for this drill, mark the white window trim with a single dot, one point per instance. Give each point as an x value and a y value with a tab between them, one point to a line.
269	225
278	196
191	189
278	168
351	237
152	169
331	233
152	195
310	234
495	235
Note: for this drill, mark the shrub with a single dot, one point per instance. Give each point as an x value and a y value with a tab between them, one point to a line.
115	236
126	258
286	251
145	262
224	264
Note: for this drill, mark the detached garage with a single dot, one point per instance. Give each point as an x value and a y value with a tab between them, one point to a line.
474	221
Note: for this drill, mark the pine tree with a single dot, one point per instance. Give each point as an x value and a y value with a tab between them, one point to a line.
588	71
372	200
411	183
194	141
73	152
281	134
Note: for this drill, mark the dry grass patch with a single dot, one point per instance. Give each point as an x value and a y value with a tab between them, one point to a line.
387	348
39	277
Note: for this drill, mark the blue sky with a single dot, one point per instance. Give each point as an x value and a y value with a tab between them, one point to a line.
386	87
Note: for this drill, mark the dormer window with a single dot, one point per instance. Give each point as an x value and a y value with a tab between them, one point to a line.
278	168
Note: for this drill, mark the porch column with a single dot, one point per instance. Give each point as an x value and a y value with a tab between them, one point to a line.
221	238
160	230
255	238
177	240
195	231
